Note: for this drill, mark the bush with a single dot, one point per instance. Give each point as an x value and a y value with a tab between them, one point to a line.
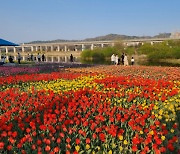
102	54
163	50
86	54
130	50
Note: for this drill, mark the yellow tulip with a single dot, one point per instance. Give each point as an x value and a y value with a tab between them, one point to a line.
172	130
125	142
113	145
120	137
77	148
160	117
163	138
120	148
87	146
151	132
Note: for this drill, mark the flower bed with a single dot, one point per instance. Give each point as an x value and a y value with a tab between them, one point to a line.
83	111
11	70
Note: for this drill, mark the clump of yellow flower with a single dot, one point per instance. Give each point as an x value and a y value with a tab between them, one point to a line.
62	85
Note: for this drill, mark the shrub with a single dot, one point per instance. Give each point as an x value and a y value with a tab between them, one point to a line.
101	54
164	50
86	54
130	50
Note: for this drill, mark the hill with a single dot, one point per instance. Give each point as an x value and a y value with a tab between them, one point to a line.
108	37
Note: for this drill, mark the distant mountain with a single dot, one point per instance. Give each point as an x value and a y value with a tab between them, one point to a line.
114	37
108	37
163	35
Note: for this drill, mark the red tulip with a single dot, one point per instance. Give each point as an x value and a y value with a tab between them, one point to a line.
1	145
47	148
58	140
77	141
68	140
9	147
56	149
88	140
134	148
102	137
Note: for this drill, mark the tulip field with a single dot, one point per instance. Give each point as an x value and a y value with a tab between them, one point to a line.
102	109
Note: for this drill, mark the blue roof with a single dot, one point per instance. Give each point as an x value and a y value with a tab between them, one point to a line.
7	43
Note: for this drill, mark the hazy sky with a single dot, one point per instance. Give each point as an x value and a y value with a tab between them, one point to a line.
30	20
